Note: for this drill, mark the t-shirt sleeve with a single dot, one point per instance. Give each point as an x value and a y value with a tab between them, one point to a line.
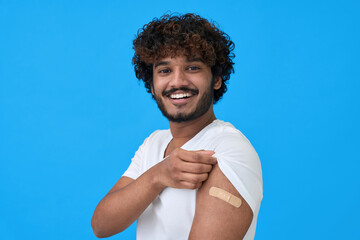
136	166
240	163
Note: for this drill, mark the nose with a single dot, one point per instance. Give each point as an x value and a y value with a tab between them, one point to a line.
179	79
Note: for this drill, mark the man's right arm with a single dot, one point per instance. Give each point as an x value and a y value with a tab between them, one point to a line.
124	204
128	199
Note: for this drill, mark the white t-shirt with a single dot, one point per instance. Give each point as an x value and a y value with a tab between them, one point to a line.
170	215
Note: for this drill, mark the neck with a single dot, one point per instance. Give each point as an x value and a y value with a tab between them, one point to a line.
184	131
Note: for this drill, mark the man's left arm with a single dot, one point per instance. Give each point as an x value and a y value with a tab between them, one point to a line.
215	218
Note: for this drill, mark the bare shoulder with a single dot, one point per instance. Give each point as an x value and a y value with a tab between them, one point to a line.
216	218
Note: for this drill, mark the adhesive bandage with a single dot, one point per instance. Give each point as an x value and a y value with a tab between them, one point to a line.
225	196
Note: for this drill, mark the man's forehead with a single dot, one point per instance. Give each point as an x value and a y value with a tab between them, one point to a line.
168	60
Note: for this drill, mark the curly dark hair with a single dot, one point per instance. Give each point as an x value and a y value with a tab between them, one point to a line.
189	35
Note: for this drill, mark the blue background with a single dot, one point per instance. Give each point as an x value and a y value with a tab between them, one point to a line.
72	113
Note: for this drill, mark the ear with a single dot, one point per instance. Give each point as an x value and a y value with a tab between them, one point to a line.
217	83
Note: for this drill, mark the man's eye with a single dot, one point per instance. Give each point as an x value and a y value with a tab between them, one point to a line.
164	71
193	68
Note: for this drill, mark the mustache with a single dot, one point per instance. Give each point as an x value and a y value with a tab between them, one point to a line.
185	89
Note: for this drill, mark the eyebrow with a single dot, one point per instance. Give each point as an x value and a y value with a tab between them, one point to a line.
164	63
160	64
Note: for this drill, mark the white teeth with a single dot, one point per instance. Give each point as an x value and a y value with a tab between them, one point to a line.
180	95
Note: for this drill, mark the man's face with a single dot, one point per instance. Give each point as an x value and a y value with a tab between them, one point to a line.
183	88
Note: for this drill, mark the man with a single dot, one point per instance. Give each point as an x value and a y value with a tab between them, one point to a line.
201	179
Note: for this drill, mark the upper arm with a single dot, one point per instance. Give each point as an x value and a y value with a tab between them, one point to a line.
215	218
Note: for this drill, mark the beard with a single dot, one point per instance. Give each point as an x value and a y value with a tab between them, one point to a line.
202	106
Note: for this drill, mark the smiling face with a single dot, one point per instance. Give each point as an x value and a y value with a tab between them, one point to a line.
183	88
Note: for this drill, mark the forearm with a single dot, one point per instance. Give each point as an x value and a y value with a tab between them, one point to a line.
120	208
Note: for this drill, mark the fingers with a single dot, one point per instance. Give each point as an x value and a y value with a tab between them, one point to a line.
192	181
195	167
188	185
195	156
194	178
187	169
208	152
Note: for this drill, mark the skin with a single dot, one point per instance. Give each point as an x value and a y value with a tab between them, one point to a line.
216	219
128	198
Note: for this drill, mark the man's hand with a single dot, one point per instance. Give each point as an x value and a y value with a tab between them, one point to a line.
185	169
129	198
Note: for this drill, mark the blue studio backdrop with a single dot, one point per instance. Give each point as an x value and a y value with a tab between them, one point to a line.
72	113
